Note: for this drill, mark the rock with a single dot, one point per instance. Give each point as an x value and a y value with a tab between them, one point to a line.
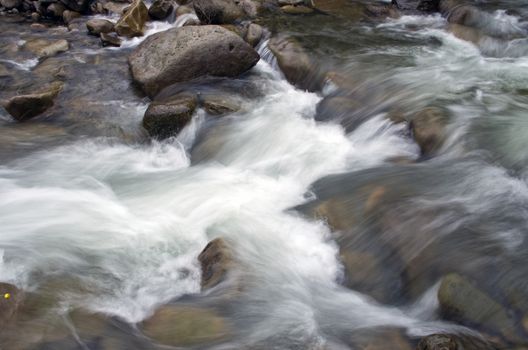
185	326
115	7
46	48
217	11
182	54
68	16
453	342
168	117
462	302
428	127
81	6
254	34
133	21
11	4
24	107
380	338
161	9
218	105
184	9
10	298
216	260
56	10
296	10
35	17
290	2
110	39
429	5
298	68
97	26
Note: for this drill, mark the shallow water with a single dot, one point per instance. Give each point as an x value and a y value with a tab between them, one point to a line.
99	217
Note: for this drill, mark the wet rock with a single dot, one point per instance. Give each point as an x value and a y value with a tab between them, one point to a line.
115	7
68	16
10	298
167	118
81	6
219	105
428	5
133	21
97	26
110	39
428	127
296	10
47	48
11	4
24	107
453	342
216	260
375	11
254	34
184	326
217	11
184	9
160	9
461	301
56	10
182	54
298	68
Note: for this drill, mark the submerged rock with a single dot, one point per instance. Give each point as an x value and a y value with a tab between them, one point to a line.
453	342
216	260
161	9
217	11
428	127
10	298
24	107
46	48
461	301
132	23
167	118
180	325
97	26
182	54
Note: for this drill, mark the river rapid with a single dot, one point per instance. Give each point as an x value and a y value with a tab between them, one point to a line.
97	216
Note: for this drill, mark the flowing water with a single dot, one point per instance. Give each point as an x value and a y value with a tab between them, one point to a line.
94	215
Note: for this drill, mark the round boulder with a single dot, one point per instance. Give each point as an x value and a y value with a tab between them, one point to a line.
182	54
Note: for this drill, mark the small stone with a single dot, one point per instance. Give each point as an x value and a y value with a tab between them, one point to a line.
254	34
68	16
56	10
97	26
24	107
216	260
110	39
35	17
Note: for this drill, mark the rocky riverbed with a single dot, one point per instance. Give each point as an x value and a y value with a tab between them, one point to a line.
263	174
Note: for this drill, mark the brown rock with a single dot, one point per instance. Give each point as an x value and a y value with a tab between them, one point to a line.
56	10
296	10
428	127
185	326
68	16
216	260
24	107
167	118
97	26
132	23
110	39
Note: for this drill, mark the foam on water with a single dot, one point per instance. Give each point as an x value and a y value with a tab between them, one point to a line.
129	220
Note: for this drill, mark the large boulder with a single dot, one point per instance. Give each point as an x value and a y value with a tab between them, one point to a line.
463	302
161	9
132	23
182	54
24	107
218	11
97	26
168	117
185	326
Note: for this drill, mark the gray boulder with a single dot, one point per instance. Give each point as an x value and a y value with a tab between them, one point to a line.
182	54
